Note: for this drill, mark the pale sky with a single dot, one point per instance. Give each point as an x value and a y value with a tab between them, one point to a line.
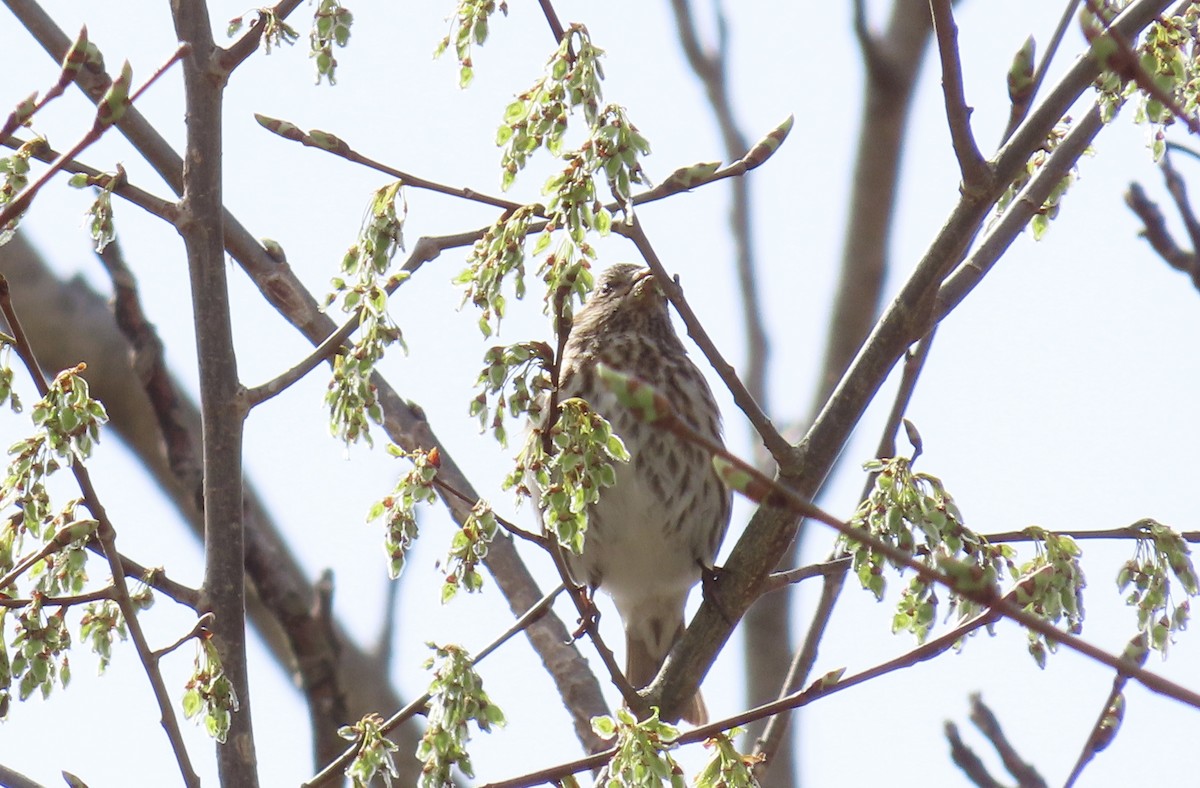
1059	394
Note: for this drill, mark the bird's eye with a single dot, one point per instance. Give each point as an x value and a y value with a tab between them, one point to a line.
606	288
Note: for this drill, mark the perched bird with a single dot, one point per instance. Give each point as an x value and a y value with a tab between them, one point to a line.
650	535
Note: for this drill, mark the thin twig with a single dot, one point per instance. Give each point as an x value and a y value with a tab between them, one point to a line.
1178	191
507	525
966	759
106	534
71	65
777	580
780	449
530	616
99	126
60	540
338	147
1128	532
237	52
1019	113
551	15
764	490
426	249
1130	67
976	174
1103	730
108	592
1161	240
157	206
200	627
989	726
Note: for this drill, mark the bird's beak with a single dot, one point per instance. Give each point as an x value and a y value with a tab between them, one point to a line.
644	284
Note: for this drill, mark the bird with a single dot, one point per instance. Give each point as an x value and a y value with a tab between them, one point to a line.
652	534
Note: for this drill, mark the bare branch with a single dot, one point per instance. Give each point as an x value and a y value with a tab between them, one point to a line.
338	147
975	171
1178	191
15	779
1026	775
966	759
777	580
108	592
201	626
1156	233
770	742
551	15
222	401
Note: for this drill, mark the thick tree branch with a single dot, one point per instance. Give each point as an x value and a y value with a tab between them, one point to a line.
771	741
909	316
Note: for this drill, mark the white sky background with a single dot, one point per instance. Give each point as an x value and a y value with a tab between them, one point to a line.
1056	395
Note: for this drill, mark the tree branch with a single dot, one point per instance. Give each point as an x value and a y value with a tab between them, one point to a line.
106	535
975	171
909	317
530	616
774	442
771	740
403	422
237	52
222	401
1019	111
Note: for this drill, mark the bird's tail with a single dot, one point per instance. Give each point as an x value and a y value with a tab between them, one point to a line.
646	649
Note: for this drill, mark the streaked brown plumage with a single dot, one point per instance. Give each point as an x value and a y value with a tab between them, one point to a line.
650	535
